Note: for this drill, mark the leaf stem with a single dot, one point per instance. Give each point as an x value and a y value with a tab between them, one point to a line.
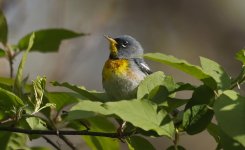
240	79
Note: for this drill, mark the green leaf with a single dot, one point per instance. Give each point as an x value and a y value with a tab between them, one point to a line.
184	66
38	88
173	103
3	29
101	124
176	147
9	101
157	87
2	53
11	141
184	86
87	109
19	75
240	55
146	116
62	99
48	40
198	114
229	111
36	123
149	83
82	91
139	143
217	72
161	92
158	95
214	131
201	95
7	83
33	123
197	118
223	140
98	124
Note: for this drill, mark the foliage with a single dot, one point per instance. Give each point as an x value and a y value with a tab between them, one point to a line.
155	112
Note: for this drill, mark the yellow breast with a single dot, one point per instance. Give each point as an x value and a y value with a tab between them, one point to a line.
115	67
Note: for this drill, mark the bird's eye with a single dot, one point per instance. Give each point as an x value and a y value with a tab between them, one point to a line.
124	44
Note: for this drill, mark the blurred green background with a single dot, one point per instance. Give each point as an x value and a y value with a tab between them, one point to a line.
185	29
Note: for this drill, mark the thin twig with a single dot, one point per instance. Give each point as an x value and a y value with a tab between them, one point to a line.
240	79
68	142
51	142
6	120
66	132
62	137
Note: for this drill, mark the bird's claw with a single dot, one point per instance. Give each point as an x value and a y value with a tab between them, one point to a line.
120	131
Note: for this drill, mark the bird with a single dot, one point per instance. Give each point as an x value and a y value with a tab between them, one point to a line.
124	69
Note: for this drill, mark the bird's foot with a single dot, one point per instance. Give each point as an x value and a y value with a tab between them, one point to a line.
120	131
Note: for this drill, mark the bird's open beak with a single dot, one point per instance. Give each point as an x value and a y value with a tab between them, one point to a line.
113	44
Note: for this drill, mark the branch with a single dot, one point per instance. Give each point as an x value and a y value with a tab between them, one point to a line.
68	142
51	142
66	132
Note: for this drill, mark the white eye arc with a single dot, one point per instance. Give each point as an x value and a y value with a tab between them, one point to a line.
124	44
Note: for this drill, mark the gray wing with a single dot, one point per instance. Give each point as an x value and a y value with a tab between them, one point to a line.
143	66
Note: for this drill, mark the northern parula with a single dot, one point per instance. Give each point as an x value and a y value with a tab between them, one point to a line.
125	68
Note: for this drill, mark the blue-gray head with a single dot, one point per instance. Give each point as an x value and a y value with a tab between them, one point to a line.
125	47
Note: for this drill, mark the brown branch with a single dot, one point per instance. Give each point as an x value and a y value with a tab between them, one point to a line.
66	132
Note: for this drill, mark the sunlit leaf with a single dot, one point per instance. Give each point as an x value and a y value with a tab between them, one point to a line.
216	72
149	83
36	123
146	116
184	66
87	109
222	139
47	40
62	99
229	111
82	91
